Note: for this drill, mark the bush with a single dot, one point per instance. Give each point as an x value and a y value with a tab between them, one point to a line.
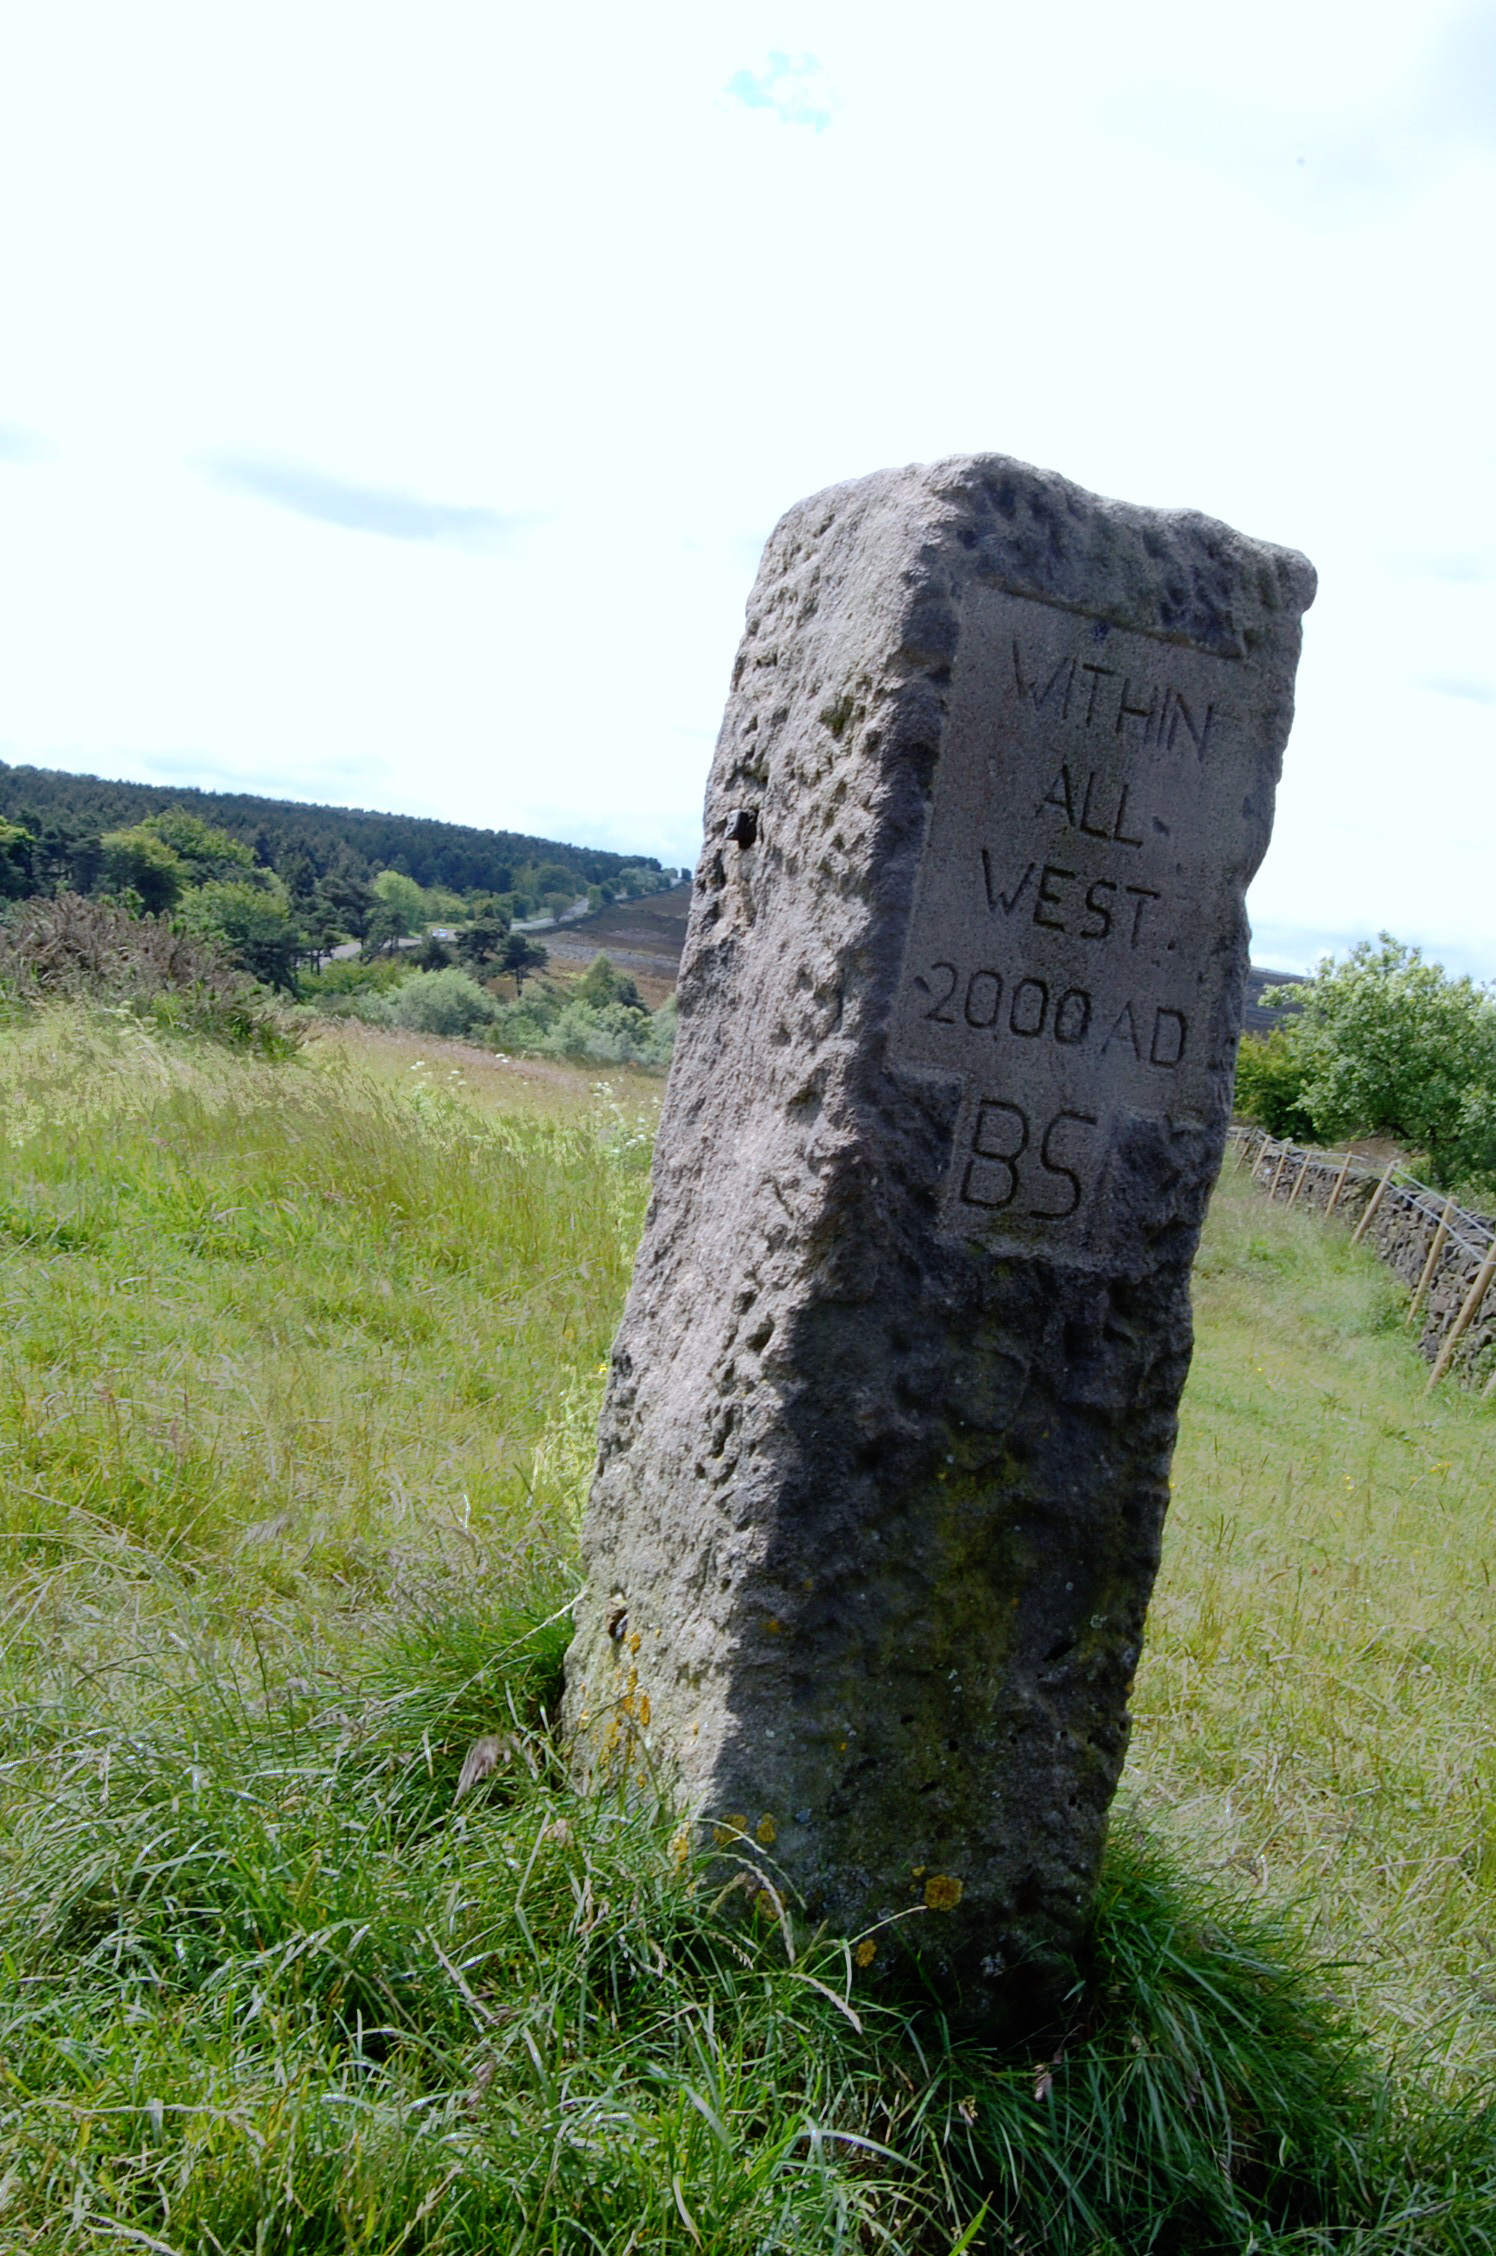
606	1034
1270	1084
75	950
354	975
600	983
440	1002
1386	1044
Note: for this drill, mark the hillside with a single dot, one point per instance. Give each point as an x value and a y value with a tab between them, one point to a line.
643	938
60	808
299	1375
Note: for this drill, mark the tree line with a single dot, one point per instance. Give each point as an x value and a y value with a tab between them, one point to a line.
281	885
66	816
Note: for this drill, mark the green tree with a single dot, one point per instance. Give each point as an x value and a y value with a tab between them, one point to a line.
600	985
382	929
298	874
521	956
137	861
443	906
349	896
254	923
1391	1045
205	853
17	845
637	882
1270	1083
482	941
319	927
403	898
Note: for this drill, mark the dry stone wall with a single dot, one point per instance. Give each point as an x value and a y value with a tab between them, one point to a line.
1402	1219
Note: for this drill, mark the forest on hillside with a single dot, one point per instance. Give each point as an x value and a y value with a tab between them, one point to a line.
167	914
66	816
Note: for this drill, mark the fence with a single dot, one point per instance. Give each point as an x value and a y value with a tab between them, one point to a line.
1443	1252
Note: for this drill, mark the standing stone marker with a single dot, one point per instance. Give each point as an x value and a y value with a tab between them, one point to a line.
885	1454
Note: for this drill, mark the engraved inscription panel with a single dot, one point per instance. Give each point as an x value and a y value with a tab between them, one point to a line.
1077	910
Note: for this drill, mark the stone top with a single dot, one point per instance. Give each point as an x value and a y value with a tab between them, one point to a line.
1175	574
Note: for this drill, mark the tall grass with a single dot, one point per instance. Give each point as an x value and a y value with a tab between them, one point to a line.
1316	1713
298	1373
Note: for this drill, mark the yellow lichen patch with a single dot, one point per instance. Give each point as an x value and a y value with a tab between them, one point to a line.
775	1626
919	1870
729	1829
644	1709
634	1642
767	1831
942	1893
680	1848
865	1953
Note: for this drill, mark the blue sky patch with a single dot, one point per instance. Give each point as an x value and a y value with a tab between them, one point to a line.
792	86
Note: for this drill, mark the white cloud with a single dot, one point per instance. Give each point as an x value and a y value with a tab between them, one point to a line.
358	508
794	88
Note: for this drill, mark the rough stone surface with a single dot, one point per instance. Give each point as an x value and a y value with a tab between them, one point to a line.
885	1453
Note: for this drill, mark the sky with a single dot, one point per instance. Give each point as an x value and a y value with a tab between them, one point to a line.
395	397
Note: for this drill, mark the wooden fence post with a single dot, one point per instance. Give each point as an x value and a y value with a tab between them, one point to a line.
1373	1203
1473	1299
1334	1198
1272	1189
1299	1185
1432	1263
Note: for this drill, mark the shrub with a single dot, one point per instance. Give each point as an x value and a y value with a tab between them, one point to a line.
1385	1044
600	983
1270	1076
607	1034
354	975
440	1002
73	950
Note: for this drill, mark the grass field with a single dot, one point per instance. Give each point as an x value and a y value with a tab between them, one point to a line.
299	1365
1317	1710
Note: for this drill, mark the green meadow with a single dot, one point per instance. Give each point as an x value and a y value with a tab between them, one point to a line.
299	1367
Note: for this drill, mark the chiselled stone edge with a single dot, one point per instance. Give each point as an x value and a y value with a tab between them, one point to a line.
1175	574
